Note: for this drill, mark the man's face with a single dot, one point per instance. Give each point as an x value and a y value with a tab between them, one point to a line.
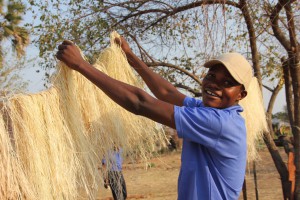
220	89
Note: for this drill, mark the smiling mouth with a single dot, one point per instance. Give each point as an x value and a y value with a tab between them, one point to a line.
211	93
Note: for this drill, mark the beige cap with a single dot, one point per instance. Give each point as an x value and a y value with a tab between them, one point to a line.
239	68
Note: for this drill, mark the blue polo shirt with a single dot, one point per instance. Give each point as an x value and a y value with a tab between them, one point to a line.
213	159
114	160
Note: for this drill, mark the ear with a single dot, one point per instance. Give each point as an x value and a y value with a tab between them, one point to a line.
243	94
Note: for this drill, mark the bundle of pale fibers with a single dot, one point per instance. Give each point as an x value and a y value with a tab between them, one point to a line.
60	135
11	173
123	72
47	149
255	118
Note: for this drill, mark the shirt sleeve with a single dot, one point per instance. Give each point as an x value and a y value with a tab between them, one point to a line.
198	123
192	102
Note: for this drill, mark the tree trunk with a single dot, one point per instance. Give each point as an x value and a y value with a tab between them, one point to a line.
294	65
279	164
295	73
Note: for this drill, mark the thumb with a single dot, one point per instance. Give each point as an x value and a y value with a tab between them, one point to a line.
67	42
118	41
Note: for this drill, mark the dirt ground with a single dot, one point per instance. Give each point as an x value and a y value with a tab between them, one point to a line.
159	181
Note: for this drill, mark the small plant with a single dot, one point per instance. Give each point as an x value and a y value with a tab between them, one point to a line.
151	165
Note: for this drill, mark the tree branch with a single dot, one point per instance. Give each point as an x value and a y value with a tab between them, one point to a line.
275	25
252	39
196	93
274	95
193	76
268	88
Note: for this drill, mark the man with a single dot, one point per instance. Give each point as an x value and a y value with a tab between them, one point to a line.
113	174
213	131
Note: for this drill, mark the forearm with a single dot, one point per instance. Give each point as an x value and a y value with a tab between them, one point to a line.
122	93
160	87
129	97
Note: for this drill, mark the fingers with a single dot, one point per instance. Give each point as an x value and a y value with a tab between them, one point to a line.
69	54
67	42
59	54
120	40
62	47
123	44
64	44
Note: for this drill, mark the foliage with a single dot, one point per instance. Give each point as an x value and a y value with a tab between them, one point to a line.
18	37
10	75
282	116
176	37
11	17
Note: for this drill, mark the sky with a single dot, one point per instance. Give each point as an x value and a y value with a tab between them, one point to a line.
280	100
35	79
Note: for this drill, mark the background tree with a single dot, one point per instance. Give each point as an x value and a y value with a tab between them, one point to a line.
12	33
176	37
283	115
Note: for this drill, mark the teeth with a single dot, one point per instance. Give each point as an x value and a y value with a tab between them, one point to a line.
210	93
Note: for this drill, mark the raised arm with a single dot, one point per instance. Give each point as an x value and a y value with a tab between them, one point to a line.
129	97
160	87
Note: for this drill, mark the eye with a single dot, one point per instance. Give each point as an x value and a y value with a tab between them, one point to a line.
209	76
228	83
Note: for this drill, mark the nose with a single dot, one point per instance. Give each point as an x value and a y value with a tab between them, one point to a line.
217	85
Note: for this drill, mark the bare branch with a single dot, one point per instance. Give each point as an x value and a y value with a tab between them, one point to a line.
193	76
274	95
196	93
275	26
252	39
143	51
188	7
268	88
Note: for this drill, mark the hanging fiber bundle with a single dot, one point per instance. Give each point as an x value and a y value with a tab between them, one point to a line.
255	118
52	142
11	173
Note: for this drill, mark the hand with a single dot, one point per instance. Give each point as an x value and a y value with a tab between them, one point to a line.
70	54
124	45
105	185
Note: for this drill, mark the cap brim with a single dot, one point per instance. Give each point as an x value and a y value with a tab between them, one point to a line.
211	63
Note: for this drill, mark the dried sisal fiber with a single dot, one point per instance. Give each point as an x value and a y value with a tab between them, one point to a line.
11	173
57	138
255	118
